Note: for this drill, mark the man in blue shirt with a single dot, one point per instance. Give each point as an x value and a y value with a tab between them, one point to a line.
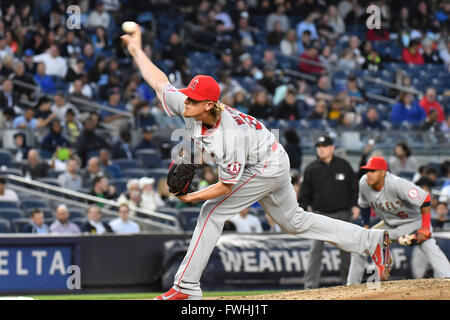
36	225
114	101
27	120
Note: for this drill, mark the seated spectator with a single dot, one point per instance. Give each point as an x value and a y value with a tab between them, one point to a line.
150	199
277	17
245	32
9	98
98	17
43	113
441	222
93	170
373	62
77	70
72	128
80	89
88	57
288	109
407	110
371	120
114	101
288	45
347	61
325	30
444	52
246	223
30	65
122	148
142	111
89	141
336	109
430	55
270	81
108	166
275	36
7	194
355	93
27	120
322	89
348	121
246	68
226	61
336	21
23	90
261	107
123	224
174	48
62	224
328	58
308	24
54	139
34	167
319	112
36	224
304	41
310	62
94	225
55	65
430	123
429	102
102	189
21	151
412	55
132	196
60	106
445	126
402	159
146	141
7	118
43	80
70	179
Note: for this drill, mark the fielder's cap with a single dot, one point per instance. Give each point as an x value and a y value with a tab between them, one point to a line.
29	52
202	88
324	141
376	163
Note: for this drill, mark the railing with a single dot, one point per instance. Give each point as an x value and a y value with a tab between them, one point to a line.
173	226
392	85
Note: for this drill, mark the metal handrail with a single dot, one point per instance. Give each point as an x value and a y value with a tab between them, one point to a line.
88	197
392	85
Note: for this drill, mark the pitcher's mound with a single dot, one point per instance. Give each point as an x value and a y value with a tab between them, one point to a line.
422	289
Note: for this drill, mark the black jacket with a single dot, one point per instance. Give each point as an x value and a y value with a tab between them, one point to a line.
87	227
329	188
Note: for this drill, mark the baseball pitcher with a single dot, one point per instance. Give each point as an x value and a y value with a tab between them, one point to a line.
404	209
252	167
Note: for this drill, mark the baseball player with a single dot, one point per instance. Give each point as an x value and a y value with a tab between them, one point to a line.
252	167
405	212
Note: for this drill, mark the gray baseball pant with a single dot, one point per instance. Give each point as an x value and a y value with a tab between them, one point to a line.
270	184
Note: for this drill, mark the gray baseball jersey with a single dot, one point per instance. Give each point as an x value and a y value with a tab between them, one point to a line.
397	203
237	141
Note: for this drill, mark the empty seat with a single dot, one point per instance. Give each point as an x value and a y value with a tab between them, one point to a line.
126	163
33	203
18	224
79	221
76	213
406	175
9	204
5	226
5	158
134	173
11	214
148	158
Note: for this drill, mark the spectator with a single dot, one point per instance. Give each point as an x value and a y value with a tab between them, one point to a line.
109	167
319	112
261	107
70	47
304	42
78	88
55	65
288	45
4	48
246	223
71	127
430	55
150	199
310	62
371	120
407	111
347	61
325	30
44	81
246	68
30	65
60	106
288	109
278	16
373	61
21	151
293	149
94	225
122	149
89	141
54	140
23	90
98	17
88	57
429	102
226	61
275	36
8	96
27	120
245	32
412	55
36	224
115	119
34	167
308	24
70	179
322	89
430	123
174	49
92	171
132	196
336	21
123	224
355	93
402	159
444	52
328	58
102	189
62	224
441	222
146	141
445	126
7	194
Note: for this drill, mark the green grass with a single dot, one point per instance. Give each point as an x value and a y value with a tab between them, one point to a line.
149	295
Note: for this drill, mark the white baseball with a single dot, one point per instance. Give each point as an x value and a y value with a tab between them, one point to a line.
129	26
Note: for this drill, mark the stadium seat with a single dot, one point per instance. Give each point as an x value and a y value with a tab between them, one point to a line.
9	204
5	158
188	218
134	173
11	214
126	163
79	221
167	210
5	226
76	213
148	158
18	224
33	203
120	184
407	175
157	173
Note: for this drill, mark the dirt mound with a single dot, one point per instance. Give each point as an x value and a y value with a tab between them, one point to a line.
423	289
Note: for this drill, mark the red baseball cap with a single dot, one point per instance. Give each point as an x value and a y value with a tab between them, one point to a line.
202	88
376	163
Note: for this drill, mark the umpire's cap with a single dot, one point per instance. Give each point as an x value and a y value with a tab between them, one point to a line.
324	141
376	163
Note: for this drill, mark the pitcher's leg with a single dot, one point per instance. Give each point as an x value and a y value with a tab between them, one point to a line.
437	258
357	268
312	273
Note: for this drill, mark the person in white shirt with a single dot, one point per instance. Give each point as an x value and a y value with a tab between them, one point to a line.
55	65
246	223
123	224
98	17
7	194
61	106
150	199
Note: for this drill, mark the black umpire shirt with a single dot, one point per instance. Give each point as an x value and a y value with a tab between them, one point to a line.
329	188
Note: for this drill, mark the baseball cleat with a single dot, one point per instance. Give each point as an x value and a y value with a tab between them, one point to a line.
382	257
173	294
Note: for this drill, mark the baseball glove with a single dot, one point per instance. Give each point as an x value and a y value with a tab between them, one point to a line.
415	238
180	176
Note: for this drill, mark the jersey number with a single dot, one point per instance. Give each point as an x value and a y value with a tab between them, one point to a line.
402	215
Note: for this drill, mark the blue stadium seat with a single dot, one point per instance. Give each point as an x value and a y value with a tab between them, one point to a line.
5	226
76	213
9	204
126	163
18	224
30	204
134	173
167	210
120	184
79	221
148	158
11	213
5	158
188	218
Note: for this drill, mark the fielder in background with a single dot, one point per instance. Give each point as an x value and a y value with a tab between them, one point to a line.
404	209
252	167
330	188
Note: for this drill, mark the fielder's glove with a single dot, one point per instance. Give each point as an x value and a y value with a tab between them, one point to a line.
415	238
180	176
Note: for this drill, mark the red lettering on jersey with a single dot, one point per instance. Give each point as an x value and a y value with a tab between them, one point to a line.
387	204
402	215
399	203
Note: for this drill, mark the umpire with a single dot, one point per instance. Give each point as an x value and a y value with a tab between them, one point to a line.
329	187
